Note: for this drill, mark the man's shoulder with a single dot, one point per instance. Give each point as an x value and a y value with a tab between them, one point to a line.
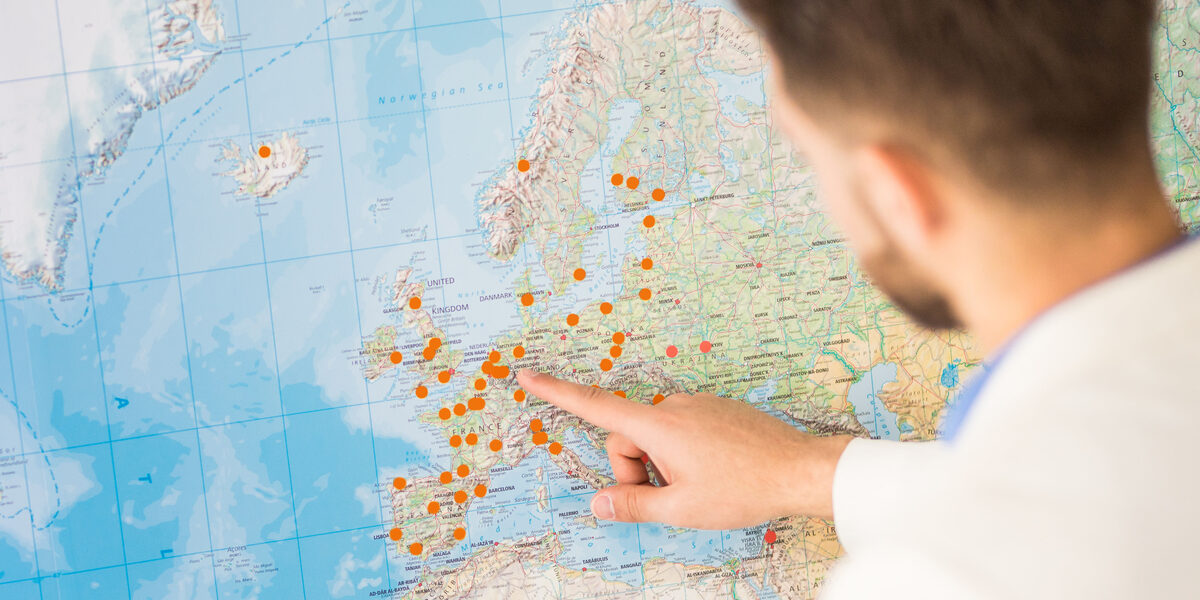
1101	384
1082	440
1123	348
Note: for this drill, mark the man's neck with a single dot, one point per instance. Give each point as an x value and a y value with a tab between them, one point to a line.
1018	272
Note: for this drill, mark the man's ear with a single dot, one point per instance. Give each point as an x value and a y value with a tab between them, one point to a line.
903	194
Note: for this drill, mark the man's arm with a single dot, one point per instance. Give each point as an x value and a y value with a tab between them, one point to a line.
726	464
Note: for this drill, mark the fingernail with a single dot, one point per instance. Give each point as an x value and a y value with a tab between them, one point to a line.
528	373
602	507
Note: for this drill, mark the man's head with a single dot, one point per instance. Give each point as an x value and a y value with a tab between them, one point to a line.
920	115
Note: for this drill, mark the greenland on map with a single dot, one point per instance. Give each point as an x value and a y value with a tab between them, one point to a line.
268	270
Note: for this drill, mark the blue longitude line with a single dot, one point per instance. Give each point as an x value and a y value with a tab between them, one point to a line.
183	322
271	315
18	414
354	275
92	306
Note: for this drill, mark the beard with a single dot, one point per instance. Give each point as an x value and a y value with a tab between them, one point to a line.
911	292
899	278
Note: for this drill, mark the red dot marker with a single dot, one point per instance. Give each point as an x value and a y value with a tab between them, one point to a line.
770	536
672	351
705	346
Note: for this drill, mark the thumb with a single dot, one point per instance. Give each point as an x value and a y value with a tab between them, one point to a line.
633	503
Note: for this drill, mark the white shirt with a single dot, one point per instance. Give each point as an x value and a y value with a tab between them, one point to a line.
1076	474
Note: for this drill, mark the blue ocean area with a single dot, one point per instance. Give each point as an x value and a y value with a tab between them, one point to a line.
868	408
733	89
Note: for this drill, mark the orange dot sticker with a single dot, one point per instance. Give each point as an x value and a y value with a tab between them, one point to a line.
658	194
444	414
658	398
519	395
705	346
522	165
435	342
486	367
618	337
475	403
395	534
555	448
480	384
444	377
621	393
399	483
433	507
494	356
416	548
495	445
632	183
527	299
605	364
605	308
617	179
445	477
460	496
647	263
472	439
463	470
615	352
421	391
535	425
429	353
519	352
414	303
459	533
455	441
395	357
264	151
648	221
572	320
481	490
644	294
540	438
500	372
459	409
579	274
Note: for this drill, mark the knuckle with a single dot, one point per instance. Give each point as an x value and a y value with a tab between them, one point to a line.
633	509
592	393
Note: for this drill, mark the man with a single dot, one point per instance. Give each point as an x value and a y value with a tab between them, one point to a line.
989	162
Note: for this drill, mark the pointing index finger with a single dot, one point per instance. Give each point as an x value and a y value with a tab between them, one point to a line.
594	405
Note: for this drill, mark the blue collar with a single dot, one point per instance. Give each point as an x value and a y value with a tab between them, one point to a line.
955	414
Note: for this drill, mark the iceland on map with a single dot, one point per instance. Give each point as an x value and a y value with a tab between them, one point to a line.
269	271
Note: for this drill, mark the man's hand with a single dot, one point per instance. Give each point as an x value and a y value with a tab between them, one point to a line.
725	464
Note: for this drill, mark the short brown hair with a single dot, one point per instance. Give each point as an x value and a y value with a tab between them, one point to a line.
1018	92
